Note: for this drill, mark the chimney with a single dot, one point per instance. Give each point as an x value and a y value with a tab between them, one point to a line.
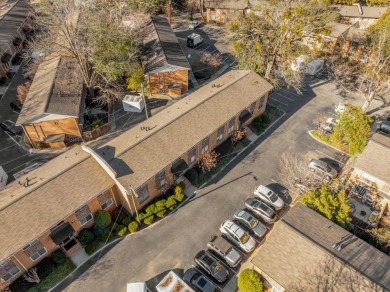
359	7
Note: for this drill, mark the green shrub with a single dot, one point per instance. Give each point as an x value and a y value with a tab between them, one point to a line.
114	226
126	221
150	209
160	208
44	268
179	189
90	248
170	204
179	197
98	230
96	124
192	176
249	280
141	216
133	226
121	230
102	219
265	119
86	236
58	256
149	220
106	237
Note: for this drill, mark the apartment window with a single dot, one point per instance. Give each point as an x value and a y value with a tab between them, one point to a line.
252	108
262	99
143	193
160	179
84	215
205	145
191	155
232	124
9	269
221	130
212	17
107	203
30	245
40	252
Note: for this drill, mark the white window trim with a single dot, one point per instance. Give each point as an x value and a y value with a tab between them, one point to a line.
192	158
12	275
6	261
27	246
82	224
105	202
220	137
39	255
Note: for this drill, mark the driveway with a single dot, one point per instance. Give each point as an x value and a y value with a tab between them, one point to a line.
173	242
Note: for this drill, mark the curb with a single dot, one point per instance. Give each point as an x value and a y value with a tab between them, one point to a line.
322	142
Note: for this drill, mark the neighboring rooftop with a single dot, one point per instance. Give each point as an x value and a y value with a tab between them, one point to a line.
137	155
12	14
162	50
353	11
56	89
307	249
226	4
54	191
338	29
375	159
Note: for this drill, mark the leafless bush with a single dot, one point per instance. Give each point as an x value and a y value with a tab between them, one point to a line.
22	91
208	160
213	60
238	135
32	276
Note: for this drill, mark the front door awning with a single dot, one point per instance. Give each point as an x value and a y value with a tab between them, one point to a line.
61	232
244	116
178	167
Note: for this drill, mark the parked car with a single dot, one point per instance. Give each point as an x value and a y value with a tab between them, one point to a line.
198	281
224	250
262	209
323	169
250	222
269	197
10	127
385	126
238	235
212	266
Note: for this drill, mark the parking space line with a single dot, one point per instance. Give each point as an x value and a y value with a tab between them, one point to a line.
330	157
278	93
13	139
277	101
296	94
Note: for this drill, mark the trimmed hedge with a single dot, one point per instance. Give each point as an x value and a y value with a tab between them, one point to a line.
127	221
86	236
58	256
141	216
44	268
121	230
133	226
179	197
102	219
249	280
160	209
150	209
90	248
171	203
149	220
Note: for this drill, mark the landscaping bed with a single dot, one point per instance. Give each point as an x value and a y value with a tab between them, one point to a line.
327	140
261	123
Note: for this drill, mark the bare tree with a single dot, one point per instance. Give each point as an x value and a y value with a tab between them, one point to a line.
237	135
293	171
208	160
213	60
32	276
22	91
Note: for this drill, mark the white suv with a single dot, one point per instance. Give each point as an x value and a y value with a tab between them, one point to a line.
235	233
269	197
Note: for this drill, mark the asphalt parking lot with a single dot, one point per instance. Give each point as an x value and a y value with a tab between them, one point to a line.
172	243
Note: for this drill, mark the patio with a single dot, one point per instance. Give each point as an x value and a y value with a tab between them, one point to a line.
364	212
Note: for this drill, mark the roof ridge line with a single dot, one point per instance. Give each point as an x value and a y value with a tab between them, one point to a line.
188	110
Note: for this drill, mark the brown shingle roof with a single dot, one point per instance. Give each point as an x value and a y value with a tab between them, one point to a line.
375	159
57	189
12	15
138	155
56	89
303	240
161	47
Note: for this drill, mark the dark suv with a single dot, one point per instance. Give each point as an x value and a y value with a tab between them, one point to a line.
212	266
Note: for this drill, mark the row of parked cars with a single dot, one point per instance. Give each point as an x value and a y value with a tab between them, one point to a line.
238	234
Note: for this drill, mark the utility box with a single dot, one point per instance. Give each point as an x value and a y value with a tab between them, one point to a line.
194	40
315	67
133	103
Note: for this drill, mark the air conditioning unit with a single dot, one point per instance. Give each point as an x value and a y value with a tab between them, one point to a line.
133	103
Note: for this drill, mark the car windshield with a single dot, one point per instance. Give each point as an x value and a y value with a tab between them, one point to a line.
215	268
244	238
272	196
254	223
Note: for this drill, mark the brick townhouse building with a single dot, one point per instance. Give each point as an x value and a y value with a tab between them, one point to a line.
15	16
46	209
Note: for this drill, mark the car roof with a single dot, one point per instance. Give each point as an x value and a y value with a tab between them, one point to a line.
261	205
220	243
234	228
244	214
319	162
263	189
189	274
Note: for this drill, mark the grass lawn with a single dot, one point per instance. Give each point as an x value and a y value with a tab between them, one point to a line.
59	273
